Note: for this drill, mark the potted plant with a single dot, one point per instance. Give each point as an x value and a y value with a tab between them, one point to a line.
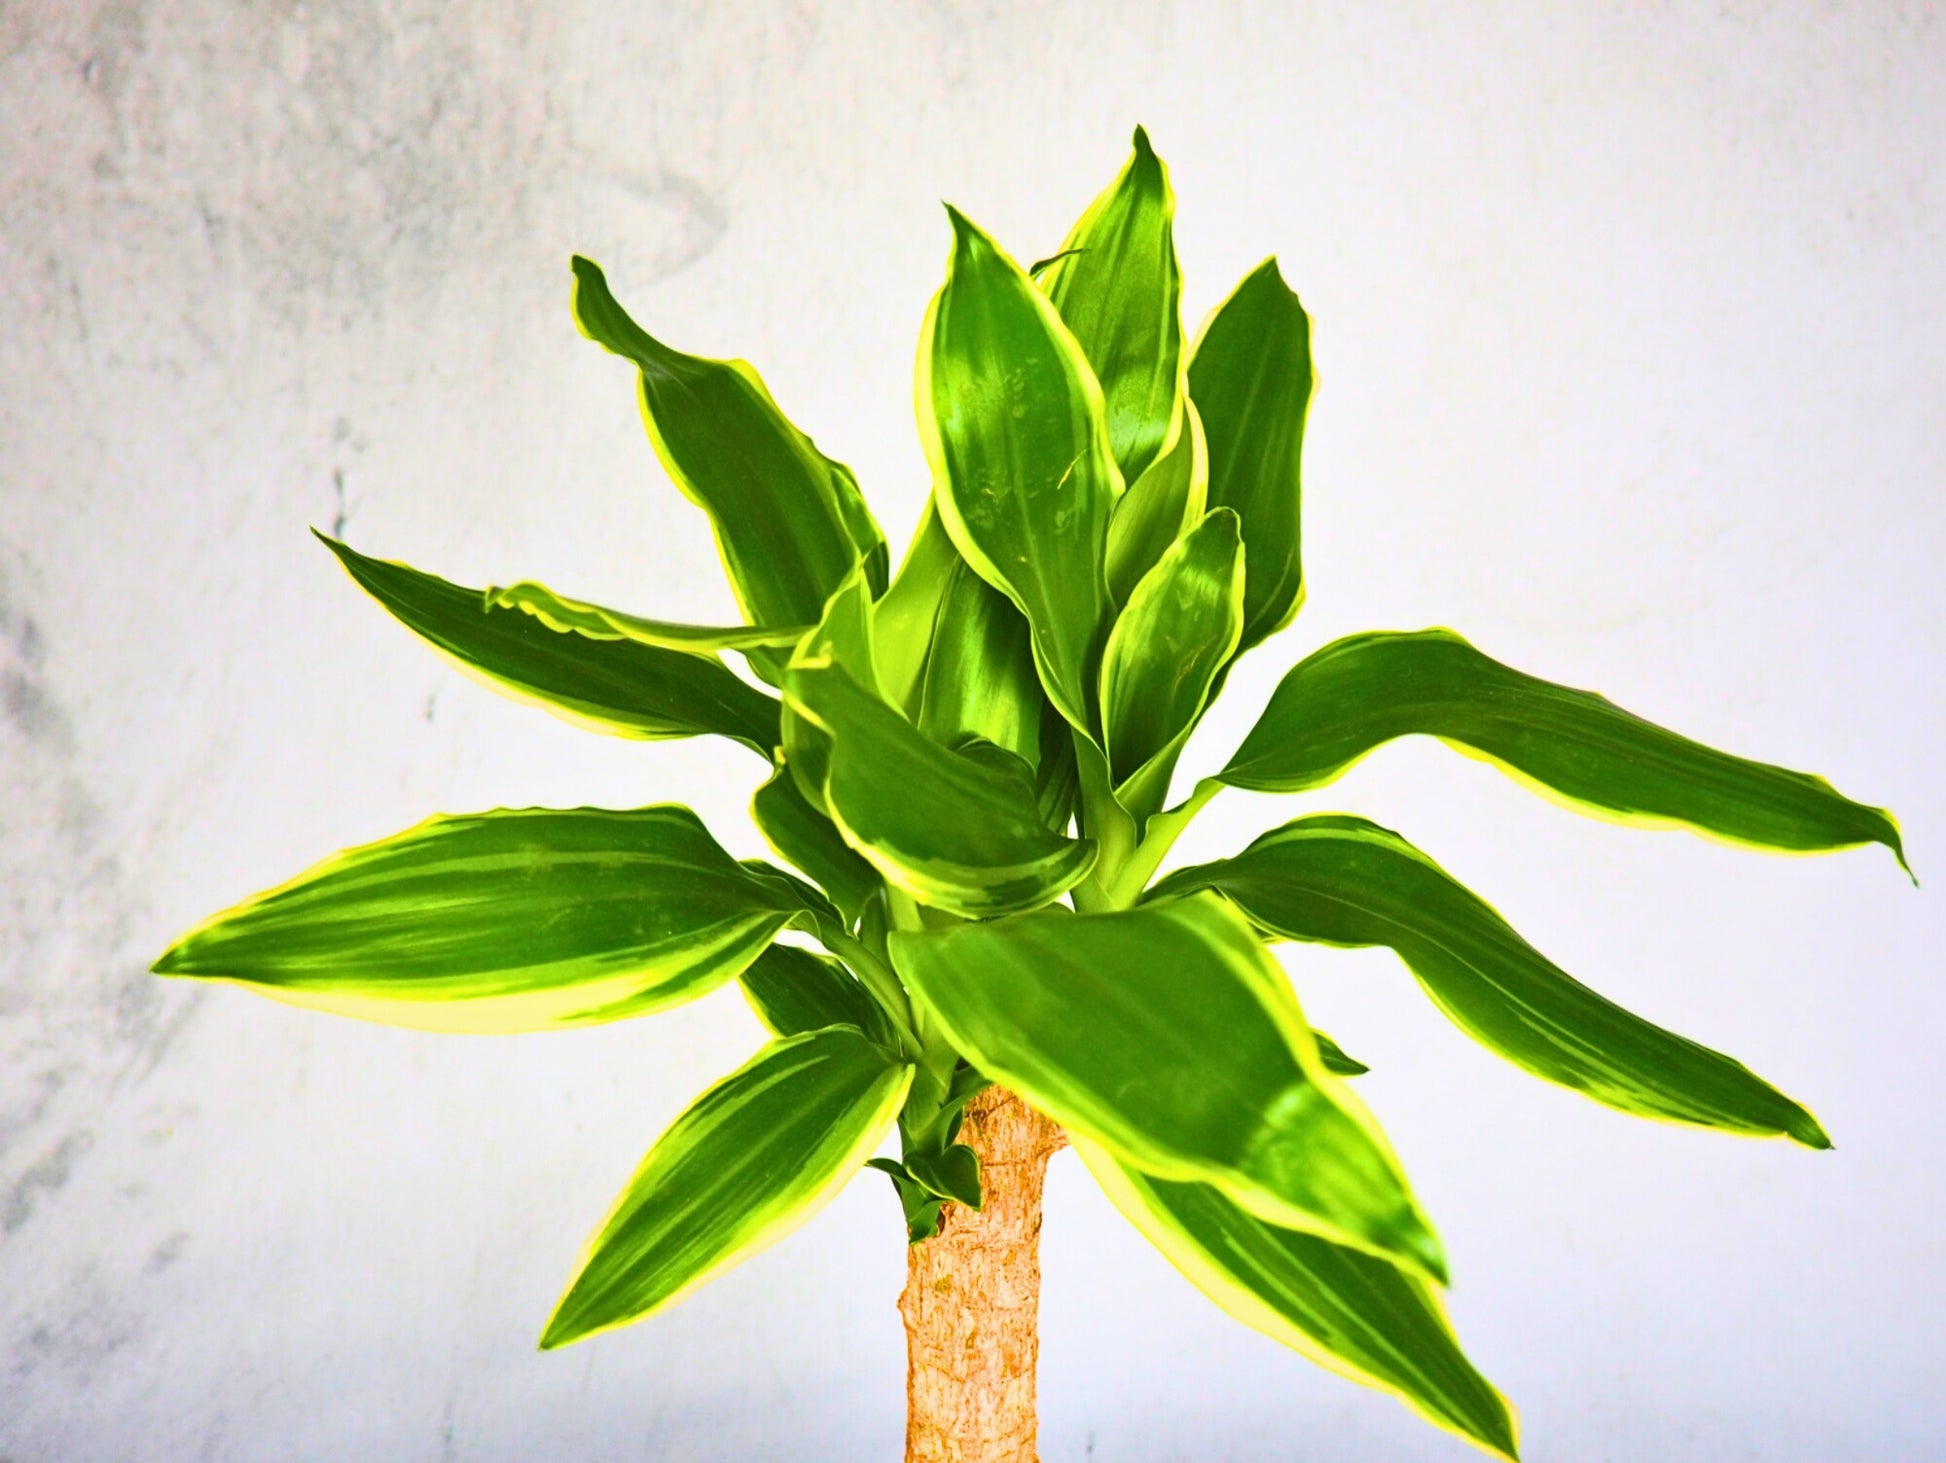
970	770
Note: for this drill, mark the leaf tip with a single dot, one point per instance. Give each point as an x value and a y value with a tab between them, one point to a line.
1423	1249
1896	843
1809	1132
337	545
563	1328
1141	144
1224	520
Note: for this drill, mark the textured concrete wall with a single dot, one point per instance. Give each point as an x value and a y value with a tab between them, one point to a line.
1630	324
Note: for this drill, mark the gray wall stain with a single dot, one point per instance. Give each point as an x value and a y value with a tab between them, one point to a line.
210	218
47	1175
81	1021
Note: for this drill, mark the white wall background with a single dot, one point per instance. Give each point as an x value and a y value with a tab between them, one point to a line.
1632	332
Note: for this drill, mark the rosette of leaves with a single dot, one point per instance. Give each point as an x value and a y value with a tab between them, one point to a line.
969	767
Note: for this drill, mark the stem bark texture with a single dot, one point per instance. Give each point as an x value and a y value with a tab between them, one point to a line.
972	1299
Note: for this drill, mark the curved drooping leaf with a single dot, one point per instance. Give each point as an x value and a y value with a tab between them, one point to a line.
1340	880
789	521
1250	377
947	829
904	617
1360	692
1159	507
515	920
1118	289
794	991
843	636
808	839
560	613
1023	475
1168	1035
614	686
979	679
818	914
1351	1312
1177	632
751	1160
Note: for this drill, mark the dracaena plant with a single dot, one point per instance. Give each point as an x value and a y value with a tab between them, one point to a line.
970	768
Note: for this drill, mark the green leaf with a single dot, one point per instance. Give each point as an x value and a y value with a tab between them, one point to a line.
789	521
952	1173
808	839
1351	1312
820	915
843	636
751	1160
1356	694
1250	377
949	830
515	920
1159	507
1169	1035
1335	1058
1041	266
1178	631
1057	777
1118	289
1011	418
903	620
979	679
794	991
921	1206
559	613
1340	880
615	686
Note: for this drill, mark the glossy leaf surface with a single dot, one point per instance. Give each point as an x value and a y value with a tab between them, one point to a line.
794	991
789	521
903	619
979	678
808	839
1159	507
947	829
1118	289
751	1160
516	920
1178	630
1360	692
1250	377
615	686
1354	1313
844	637
1168	1035
1011	418
560	613
1343	881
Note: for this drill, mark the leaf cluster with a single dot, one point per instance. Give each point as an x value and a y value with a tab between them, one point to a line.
971	771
